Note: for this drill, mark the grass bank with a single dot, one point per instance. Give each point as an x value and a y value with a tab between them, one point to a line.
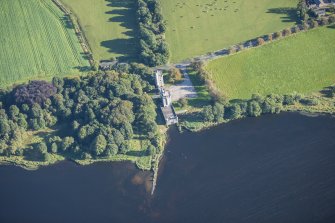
37	41
196	27
302	63
194	121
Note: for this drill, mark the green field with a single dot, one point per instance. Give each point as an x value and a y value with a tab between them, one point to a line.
35	42
108	25
196	27
302	63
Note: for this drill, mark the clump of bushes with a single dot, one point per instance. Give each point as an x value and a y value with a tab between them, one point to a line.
310	101
174	75
324	21
287	32
277	35
241	47
206	79
296	29
183	102
305	26
332	19
302	10
199	67
260	41
314	24
231	50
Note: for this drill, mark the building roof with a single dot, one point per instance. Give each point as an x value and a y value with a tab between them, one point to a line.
168	112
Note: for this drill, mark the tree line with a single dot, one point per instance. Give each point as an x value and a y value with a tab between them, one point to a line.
256	106
304	26
302	10
153	47
222	109
96	115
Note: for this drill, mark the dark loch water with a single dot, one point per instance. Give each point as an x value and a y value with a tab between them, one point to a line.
269	169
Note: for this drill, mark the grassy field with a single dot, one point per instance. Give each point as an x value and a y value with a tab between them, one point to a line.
35	42
196	27
108	25
302	63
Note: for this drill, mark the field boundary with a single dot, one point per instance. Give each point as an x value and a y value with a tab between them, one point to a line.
66	33
253	43
264	70
78	30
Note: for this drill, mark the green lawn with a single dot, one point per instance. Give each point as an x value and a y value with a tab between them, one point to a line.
36	42
203	97
108	25
196	27
302	63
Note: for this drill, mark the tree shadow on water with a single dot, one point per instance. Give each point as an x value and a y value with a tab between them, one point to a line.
124	13
289	14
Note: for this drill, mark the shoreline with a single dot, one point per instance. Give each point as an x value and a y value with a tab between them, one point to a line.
35	165
155	161
208	125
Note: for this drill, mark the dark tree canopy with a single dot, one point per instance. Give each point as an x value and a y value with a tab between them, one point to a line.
97	115
34	92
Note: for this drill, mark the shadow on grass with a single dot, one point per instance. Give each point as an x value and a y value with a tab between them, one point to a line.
159	118
125	15
83	68
195	117
199	102
331	26
237	100
328	91
289	14
136	153
31	155
204	97
67	22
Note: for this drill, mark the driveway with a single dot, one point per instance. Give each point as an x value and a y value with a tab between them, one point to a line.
184	89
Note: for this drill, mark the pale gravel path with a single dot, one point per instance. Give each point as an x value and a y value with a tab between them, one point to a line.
185	89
